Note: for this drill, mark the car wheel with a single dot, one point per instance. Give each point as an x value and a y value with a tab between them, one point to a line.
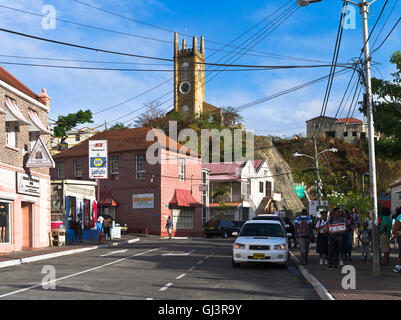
208	236
235	264
225	235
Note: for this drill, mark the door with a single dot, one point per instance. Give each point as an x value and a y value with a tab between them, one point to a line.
26	209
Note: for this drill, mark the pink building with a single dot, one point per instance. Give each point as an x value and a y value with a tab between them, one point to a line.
137	192
24	192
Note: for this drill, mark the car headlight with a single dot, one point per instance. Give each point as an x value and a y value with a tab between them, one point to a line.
280	247
239	246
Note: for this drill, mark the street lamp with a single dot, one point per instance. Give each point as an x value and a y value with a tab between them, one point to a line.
364	6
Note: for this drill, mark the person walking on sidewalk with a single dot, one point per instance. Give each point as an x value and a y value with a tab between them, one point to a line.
365	238
107	224
397	233
385	233
322	244
336	229
347	237
169	227
303	231
357	222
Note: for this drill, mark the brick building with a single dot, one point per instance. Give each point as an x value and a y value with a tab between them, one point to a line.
24	192
138	192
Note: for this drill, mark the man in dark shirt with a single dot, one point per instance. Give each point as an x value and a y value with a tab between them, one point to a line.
336	226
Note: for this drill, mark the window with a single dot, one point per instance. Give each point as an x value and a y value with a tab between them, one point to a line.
5	222
185	72
114	168
11	133
354	134
33	137
261	186
182	170
78	168
140	166
183	218
204	177
345	134
77	137
316	124
60	169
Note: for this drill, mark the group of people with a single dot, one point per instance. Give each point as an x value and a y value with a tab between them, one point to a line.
341	231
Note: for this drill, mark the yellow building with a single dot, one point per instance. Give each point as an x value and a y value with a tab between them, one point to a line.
189	78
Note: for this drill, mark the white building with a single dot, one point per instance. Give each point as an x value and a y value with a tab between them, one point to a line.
240	190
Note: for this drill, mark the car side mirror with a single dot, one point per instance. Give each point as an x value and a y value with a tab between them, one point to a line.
289	235
286	226
235	234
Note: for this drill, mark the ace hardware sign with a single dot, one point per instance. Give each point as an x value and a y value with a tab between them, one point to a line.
97	159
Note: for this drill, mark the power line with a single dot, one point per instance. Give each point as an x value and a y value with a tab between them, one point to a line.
388	35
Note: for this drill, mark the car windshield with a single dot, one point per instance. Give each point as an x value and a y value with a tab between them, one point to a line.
262	230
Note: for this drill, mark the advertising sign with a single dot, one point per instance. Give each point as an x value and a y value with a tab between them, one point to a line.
143	201
27	184
98	159
40	157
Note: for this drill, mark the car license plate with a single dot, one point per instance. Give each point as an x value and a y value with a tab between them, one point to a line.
211	228
259	256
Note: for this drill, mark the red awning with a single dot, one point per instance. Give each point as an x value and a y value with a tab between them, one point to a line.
14	114
184	198
37	125
106	199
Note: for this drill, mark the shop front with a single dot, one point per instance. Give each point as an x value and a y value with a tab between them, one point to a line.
74	208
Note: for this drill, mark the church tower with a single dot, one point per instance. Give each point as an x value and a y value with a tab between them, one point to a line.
189	76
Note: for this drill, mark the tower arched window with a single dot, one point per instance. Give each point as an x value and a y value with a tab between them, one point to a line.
185	72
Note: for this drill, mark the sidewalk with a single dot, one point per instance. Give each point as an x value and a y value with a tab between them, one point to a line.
385	287
26	256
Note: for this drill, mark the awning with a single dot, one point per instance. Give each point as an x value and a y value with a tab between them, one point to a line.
184	198
106	199
36	125
14	114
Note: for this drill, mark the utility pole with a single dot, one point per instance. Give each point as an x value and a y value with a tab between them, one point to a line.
316	156
364	9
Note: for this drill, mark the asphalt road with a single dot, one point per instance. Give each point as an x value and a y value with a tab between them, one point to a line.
153	269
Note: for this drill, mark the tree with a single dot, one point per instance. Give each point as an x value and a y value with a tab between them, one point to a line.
152	116
70	121
387	111
119	126
231	118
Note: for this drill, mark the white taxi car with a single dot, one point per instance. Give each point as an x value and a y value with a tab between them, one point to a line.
261	241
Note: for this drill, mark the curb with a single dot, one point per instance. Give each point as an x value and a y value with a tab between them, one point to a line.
321	290
16	262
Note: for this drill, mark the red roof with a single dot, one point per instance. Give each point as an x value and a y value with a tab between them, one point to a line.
123	140
15	83
230	168
184	198
349	120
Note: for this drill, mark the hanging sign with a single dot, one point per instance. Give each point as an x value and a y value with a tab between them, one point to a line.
98	159
40	156
28	184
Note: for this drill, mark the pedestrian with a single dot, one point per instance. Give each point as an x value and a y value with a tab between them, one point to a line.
303	231
385	233
169	227
365	237
347	238
291	229
100	219
322	245
107	224
397	233
369	220
336	229
357	222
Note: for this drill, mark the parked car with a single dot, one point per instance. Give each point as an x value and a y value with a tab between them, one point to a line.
223	228
261	241
239	223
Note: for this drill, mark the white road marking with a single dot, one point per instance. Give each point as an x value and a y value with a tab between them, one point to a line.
181	276
149	299
114	252
76	274
200	262
178	254
166	286
192	268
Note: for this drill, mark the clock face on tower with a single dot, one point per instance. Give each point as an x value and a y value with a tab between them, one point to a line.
185	87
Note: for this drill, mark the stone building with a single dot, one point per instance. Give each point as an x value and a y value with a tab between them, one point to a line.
350	130
189	78
25	216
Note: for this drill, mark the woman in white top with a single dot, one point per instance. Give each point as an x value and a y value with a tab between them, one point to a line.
322	246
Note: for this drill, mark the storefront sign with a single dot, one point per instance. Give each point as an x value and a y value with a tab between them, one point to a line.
143	201
40	156
27	184
98	159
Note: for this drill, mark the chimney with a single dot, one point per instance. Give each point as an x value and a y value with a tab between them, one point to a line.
44	98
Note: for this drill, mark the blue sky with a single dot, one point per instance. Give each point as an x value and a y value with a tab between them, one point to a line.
309	33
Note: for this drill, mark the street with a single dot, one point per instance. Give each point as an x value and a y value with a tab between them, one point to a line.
155	269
